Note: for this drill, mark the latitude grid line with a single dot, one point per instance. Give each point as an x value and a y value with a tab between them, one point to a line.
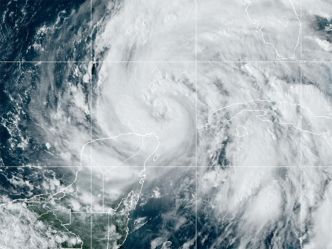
184	61
171	166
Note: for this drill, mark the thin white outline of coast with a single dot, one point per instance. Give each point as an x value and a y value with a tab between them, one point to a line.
238	133
247	3
141	181
207	125
124	134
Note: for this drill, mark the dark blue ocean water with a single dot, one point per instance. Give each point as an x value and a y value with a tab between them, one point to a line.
171	217
36	30
21	20
33	31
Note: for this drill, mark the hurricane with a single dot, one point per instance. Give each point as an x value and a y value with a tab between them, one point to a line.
165	124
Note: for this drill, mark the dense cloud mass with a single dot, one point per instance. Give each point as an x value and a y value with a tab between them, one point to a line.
166	124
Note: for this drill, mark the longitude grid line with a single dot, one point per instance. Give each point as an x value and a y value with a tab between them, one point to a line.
91	107
301	138
196	133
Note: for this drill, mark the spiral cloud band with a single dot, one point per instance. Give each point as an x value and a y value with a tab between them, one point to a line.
166	124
